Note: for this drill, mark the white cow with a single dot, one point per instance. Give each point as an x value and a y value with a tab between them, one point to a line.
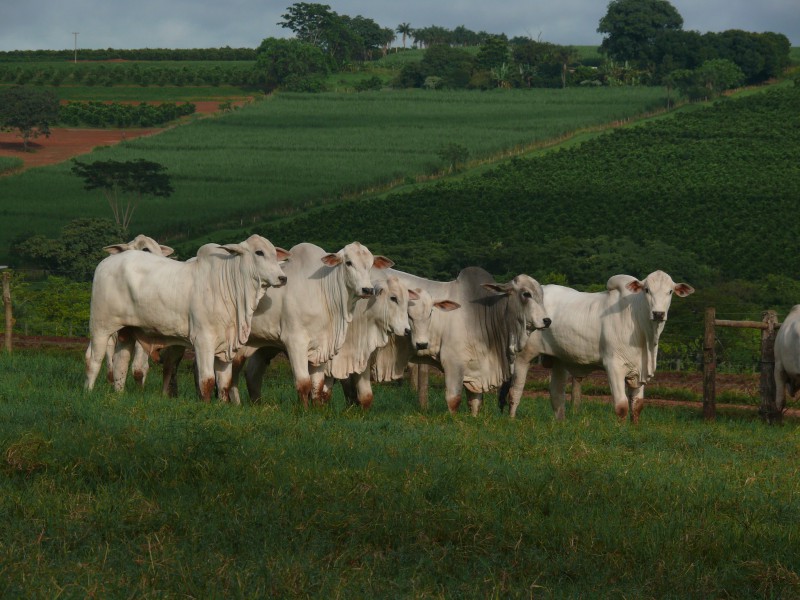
375	321
787	357
141	365
207	304
474	345
358	386
616	330
308	319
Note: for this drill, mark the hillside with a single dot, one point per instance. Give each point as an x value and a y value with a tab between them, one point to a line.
704	195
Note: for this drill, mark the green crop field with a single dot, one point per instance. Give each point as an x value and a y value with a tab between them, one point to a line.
297	150
136	495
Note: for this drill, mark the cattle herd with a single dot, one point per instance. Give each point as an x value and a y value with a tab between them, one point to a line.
349	316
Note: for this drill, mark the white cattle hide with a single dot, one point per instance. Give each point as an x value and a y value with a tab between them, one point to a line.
475	345
616	330
787	358
206	304
309	318
141	365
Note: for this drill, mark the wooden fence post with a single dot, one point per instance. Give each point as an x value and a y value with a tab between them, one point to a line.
422	386
709	366
7	304
767	410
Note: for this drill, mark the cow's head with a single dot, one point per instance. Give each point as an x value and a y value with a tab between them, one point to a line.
391	301
357	260
265	259
658	289
526	300
420	312
142	243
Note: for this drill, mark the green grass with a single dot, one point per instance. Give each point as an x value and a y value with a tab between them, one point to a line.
135	495
9	164
297	150
152	93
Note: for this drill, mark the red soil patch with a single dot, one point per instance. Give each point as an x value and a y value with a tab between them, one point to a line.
64	143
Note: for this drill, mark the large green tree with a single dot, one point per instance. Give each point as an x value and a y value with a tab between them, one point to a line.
632	28
282	61
75	253
124	184
29	110
405	30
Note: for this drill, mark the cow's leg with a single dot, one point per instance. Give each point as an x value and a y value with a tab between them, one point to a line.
141	364
204	363
236	369
521	365
224	379
636	402
298	359
349	388
122	359
558	385
94	355
453	382
363	389
170	359
780	385
112	344
474	400
257	362
319	394
616	381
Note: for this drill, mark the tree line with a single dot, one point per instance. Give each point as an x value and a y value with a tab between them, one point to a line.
225	53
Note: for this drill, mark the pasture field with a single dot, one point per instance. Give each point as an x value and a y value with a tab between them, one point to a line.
135	495
9	163
293	151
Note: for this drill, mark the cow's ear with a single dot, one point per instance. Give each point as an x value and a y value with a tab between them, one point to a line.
283	254
413	295
500	288
116	248
635	286
233	248
166	250
381	262
446	305
683	289
332	259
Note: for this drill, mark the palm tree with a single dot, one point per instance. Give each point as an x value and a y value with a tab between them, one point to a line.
404	29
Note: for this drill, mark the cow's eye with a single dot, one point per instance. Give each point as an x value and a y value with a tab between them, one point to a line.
646	290
670	292
259	253
394	299
145	249
349	263
527	295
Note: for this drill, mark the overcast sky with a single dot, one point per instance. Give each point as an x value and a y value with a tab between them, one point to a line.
131	24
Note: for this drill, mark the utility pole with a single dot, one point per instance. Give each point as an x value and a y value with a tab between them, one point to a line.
75	33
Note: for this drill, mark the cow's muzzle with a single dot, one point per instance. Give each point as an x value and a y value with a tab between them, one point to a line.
366	292
659	316
421	345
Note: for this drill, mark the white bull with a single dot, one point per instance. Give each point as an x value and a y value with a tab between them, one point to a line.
375	322
207	304
358	386
616	330
476	344
787	357
141	364
309	318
